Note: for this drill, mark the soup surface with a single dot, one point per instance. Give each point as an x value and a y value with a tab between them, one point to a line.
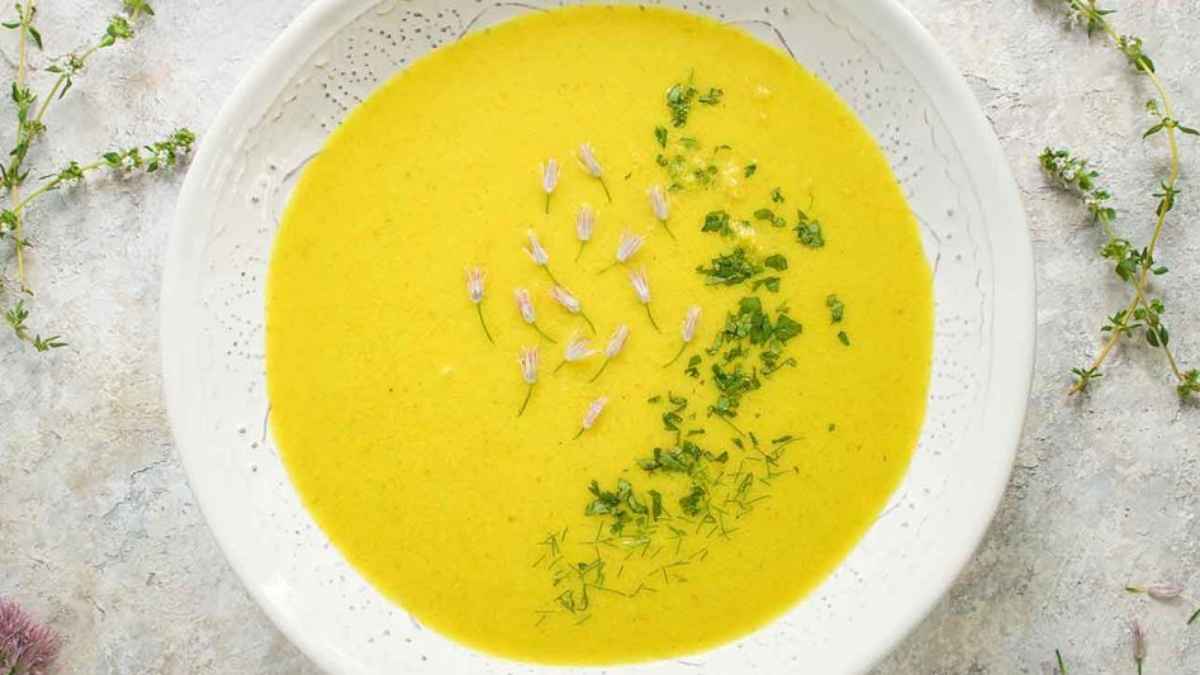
706	496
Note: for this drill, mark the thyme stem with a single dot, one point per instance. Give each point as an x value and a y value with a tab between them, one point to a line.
651	315
488	333
525	403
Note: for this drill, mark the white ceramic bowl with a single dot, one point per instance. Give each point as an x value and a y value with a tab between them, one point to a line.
881	63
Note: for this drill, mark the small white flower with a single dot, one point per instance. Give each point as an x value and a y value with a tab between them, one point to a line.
529	364
628	246
550	175
658	202
615	344
1164	591
588	157
564	298
584	223
593	412
475	278
525	304
689	323
535	251
617	341
577	348
528	359
640	285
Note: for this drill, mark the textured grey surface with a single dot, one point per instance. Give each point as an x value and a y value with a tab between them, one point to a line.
100	534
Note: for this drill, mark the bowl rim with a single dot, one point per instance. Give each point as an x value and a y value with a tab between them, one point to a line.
1014	300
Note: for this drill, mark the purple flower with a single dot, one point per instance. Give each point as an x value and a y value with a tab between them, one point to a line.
26	647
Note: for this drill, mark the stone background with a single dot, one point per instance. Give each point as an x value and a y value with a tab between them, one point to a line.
99	532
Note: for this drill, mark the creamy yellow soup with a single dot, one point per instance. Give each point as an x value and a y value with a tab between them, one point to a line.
728	483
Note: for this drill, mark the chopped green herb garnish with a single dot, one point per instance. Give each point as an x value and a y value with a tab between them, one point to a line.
691	504
751	169
717	221
679	102
776	262
660	135
693	367
689	142
777	196
808	231
771	217
713	96
843	338
786	328
730	269
837	309
771	284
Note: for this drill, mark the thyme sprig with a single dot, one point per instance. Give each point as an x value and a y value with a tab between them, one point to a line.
30	110
1143	313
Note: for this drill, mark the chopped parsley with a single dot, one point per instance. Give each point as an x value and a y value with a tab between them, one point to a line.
771	284
679	103
660	135
776	262
751	169
771	217
777	196
730	269
837	309
717	221
622	504
713	96
808	231
693	367
843	338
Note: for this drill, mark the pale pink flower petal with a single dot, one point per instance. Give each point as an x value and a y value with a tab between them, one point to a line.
550	175
689	323
587	157
564	298
658	203
525	304
593	412
475	279
529	364
584	223
535	251
577	348
617	341
641	285
628	246
1139	641
1164	591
